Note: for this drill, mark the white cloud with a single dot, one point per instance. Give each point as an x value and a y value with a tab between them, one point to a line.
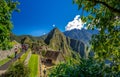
75	24
53	25
44	33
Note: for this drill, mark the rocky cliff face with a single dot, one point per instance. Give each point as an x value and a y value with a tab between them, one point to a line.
77	46
82	35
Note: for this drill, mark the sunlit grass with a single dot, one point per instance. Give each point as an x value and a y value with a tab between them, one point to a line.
23	57
33	65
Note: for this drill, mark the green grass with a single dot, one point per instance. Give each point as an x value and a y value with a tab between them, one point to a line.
23	57
2	62
33	65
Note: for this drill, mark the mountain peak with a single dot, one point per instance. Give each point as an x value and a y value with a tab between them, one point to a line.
55	30
54	33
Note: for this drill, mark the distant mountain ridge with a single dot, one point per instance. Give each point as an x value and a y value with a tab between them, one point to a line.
18	38
82	35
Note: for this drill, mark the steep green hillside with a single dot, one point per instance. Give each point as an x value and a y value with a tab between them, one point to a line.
77	46
82	35
57	41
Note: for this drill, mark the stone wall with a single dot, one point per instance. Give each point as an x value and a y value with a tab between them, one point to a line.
5	53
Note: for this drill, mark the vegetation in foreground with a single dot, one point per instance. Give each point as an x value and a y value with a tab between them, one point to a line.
83	68
17	69
6	9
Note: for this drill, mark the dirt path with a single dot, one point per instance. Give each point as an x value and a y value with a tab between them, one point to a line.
42	68
4	67
38	66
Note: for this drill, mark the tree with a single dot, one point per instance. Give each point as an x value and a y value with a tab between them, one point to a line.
6	9
104	15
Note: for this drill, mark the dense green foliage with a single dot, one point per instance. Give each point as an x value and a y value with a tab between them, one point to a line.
82	68
18	69
104	15
6	9
33	65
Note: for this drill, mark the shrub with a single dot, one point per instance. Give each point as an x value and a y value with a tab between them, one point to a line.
17	69
84	68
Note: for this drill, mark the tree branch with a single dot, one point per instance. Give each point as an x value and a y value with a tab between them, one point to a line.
108	6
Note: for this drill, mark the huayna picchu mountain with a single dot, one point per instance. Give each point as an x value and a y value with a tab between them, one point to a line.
57	41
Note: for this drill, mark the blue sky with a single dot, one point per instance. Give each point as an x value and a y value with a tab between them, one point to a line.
38	16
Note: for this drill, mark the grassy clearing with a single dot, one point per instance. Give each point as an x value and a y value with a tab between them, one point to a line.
2	62
33	65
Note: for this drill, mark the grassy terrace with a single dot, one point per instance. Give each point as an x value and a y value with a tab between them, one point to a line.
5	60
33	64
2	62
23	57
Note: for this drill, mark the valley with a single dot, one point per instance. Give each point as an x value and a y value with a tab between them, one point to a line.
48	50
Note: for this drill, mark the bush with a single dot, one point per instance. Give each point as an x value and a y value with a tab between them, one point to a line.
17	69
84	68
